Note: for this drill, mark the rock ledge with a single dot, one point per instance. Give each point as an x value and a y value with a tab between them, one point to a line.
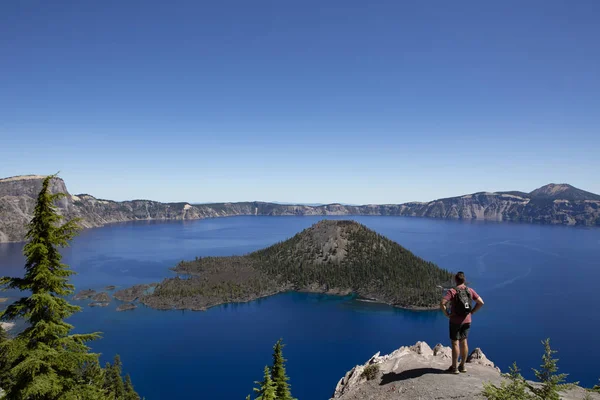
418	372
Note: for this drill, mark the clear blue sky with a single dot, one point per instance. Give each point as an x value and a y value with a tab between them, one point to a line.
301	101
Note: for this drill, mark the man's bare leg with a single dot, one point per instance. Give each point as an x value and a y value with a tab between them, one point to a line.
464	352
454	353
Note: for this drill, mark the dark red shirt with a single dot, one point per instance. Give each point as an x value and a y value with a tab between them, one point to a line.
459	319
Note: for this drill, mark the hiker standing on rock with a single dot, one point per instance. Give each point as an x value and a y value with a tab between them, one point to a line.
460	300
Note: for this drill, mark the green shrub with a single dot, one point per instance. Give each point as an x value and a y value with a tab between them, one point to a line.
517	388
513	389
370	372
552	382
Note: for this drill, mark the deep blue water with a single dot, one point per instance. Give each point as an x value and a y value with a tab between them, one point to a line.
537	282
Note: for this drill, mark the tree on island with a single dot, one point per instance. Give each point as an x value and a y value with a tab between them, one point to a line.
278	373
45	361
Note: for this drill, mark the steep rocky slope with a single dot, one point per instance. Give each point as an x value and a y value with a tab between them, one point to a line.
417	372
551	204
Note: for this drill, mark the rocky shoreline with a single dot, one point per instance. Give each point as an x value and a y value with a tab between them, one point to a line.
133	293
138	294
84	294
183	305
126	307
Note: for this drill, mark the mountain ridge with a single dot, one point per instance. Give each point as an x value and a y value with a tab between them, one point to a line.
560	204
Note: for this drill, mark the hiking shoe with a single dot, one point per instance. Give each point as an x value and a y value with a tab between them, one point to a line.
461	368
452	370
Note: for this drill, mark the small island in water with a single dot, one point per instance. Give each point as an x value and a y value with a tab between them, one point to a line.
332	256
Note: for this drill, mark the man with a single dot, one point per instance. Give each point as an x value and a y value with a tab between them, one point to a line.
460	300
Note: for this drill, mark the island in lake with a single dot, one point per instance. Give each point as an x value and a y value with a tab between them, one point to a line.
334	257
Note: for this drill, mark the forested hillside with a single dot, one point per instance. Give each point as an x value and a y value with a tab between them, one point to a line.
330	257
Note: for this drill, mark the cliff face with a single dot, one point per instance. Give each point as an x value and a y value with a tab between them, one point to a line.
18	196
17	201
551	204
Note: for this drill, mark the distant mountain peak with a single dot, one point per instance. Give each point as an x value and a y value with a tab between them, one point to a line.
554	188
562	191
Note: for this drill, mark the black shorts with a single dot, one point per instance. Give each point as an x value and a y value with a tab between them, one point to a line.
459	331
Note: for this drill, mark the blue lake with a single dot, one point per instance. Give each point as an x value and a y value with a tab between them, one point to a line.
537	282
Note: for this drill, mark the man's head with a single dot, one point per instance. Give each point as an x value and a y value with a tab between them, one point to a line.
459	278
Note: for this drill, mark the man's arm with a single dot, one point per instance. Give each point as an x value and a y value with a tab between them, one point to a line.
478	305
443	307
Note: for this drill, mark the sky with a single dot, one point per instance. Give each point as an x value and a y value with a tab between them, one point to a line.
300	101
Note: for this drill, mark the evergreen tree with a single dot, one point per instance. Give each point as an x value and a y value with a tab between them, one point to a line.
114	380
130	393
93	374
278	373
551	382
3	335
46	361
4	366
266	389
514	389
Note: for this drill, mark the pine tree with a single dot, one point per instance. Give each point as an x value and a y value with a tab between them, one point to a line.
278	373
4	365
514	389
46	362
3	335
130	393
93	374
266	389
551	382
114	380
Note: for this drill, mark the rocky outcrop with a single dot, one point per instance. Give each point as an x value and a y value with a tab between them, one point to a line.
7	325
133	293
550	204
84	294
418	372
126	307
101	299
17	202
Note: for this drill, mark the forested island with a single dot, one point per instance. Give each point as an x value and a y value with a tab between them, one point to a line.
335	257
